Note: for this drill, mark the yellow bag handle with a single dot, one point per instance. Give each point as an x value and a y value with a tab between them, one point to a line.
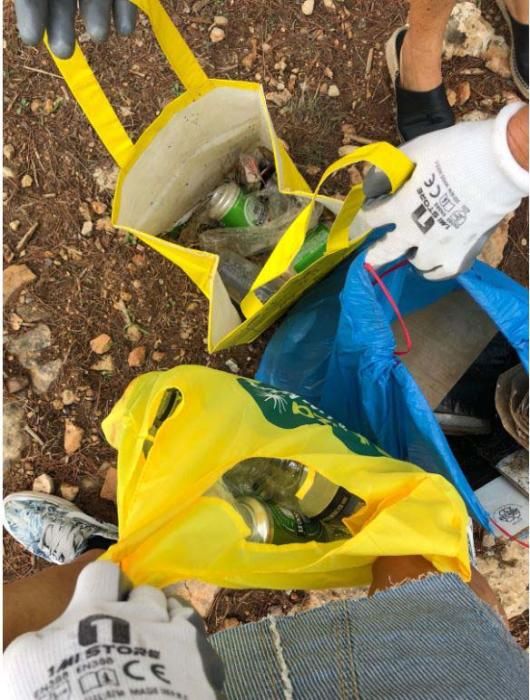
393	162
90	96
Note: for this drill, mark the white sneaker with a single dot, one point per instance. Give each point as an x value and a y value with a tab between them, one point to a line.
51	527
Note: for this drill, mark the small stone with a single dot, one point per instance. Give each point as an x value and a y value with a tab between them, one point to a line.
467	32
232	365
463	92
328	73
9	151
133	333
136	356
329	4
509	97
346	150
43	484
98	207
497	57
16	277
105	224
89	484
105	364
84	210
157	356
68	491
220	21
73	436
333	91
43	376
35	105
198	594
229	623
216	35
476	115
493	251
15	438
109	488
27	345
101	344
280	99
68	397
488	541
308	7
8	172
26	181
87	228
16	384
14	225
451	96
106	177
32	312
313	169
48	106
15	321
355	176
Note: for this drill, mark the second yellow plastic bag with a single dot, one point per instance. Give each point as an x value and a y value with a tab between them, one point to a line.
168	459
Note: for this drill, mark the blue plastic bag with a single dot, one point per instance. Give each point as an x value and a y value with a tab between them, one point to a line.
336	348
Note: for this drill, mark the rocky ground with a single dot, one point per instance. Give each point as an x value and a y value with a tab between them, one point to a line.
86	308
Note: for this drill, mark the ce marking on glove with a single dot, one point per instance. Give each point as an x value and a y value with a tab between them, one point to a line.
429	183
131	670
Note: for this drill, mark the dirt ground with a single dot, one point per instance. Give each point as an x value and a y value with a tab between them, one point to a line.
82	279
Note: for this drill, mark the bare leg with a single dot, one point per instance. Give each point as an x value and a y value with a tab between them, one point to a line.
421	53
392	571
518	10
518	137
33	602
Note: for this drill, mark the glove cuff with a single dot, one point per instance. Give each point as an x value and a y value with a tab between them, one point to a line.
517	175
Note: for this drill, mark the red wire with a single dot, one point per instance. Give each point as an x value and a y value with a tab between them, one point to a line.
394	267
393	304
510	537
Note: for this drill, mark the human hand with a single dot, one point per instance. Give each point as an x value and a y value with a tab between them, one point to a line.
465	181
110	640
57	17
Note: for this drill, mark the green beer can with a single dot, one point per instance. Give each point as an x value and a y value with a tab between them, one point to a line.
234	209
274	524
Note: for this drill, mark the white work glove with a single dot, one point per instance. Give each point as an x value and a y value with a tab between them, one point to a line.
465	181
105	646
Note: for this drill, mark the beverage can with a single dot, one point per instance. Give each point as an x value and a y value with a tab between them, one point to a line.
274	524
234	208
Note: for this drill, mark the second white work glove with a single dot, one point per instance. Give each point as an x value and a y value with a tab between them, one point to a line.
108	644
465	181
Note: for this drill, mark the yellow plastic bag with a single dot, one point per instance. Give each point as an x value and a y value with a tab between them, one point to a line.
186	152
169	456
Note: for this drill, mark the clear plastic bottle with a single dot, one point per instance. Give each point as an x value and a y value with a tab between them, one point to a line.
238	274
